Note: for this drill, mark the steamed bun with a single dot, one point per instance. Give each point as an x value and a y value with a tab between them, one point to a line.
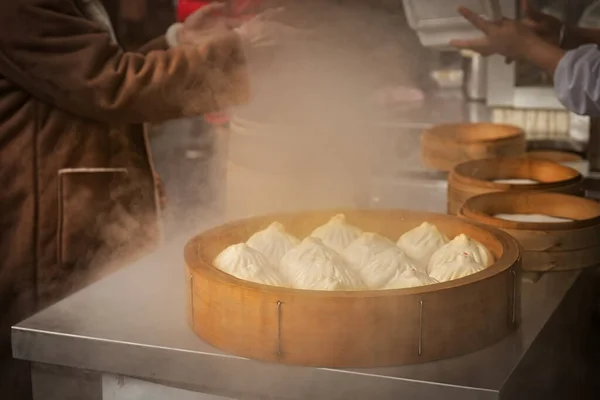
336	233
421	242
409	278
314	266
462	266
243	262
461	247
273	242
380	269
365	247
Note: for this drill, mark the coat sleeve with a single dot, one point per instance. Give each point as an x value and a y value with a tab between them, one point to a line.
52	51
576	80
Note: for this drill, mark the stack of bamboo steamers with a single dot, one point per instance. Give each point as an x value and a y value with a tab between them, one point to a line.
493	181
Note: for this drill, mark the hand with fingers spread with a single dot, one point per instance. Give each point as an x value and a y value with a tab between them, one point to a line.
513	39
545	26
555	32
506	37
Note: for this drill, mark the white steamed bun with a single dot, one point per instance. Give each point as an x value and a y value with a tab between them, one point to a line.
314	266
243	262
409	278
365	247
380	269
421	242
462	266
460	247
336	233
273	242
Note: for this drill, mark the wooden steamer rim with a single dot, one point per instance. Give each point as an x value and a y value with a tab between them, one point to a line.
483	173
556	246
477	177
559	156
467	133
353	328
446	145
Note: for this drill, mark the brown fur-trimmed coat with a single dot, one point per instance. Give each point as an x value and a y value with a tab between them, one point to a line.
77	190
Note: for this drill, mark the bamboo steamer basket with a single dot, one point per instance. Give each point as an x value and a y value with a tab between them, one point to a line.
547	246
352	328
444	146
478	177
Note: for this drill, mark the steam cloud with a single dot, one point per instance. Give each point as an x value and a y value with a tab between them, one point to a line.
307	138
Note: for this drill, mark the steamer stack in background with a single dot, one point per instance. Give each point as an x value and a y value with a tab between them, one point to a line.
509	174
572	243
445	146
492	176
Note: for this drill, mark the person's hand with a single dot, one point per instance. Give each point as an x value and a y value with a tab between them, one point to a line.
204	23
263	30
505	37
545	26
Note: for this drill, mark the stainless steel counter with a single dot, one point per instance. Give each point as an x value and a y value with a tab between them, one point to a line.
133	324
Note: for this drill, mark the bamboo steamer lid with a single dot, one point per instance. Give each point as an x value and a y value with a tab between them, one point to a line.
477	177
547	246
357	328
444	146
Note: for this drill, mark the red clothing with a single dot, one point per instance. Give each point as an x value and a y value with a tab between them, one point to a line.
241	8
